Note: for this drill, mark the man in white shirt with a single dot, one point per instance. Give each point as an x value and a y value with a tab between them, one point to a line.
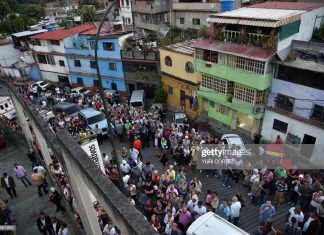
134	153
199	210
106	159
64	230
297	213
192	203
235	209
55	226
109	229
124	167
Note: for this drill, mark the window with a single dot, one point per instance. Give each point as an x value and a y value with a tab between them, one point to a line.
112	66
285	102
182	21
96	83
261	96
196	21
55	42
41	59
280	126
61	62
318	113
37	42
223	109
189	67
80	81
217	84
245	94
64	79
50	59
170	90
92	64
212	104
168	61
92	45
108	46
77	63
114	86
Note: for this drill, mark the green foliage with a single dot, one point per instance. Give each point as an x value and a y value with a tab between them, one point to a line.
203	32
15	23
97	3
160	95
269	42
145	76
87	13
33	10
177	35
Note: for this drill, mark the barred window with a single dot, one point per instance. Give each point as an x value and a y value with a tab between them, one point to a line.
250	65
261	96
245	94
216	84
223	109
199	54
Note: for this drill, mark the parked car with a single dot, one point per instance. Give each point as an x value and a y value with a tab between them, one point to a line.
233	139
70	109
179	119
79	91
34	86
92	117
3	142
154	108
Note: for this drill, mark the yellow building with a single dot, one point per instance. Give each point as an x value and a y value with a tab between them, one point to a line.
179	78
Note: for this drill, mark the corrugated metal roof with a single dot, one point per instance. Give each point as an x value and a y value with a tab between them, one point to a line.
257	17
306	6
182	47
234	49
28	33
63	33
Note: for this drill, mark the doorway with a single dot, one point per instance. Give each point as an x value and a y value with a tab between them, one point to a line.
131	88
308	145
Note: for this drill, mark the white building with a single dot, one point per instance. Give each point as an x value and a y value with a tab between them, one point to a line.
50	52
126	12
296	103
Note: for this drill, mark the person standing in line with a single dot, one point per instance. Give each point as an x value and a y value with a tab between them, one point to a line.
55	198
9	184
63	230
32	157
267	210
39	179
98	131
20	173
44	224
41	169
55	225
235	209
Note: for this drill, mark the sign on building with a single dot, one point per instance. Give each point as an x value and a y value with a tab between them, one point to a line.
93	151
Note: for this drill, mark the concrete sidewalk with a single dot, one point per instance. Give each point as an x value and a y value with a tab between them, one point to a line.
26	206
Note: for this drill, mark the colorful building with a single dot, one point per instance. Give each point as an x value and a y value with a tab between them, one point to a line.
234	60
179	78
81	61
49	49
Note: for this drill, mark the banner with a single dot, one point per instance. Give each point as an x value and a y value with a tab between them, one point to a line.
93	151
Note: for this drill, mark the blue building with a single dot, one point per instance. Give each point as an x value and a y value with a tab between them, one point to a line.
82	66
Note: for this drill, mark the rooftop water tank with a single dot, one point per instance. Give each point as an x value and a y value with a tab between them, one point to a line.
227	5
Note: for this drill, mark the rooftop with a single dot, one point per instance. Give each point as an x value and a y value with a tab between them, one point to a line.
64	33
304	6
182	47
257	17
28	33
234	49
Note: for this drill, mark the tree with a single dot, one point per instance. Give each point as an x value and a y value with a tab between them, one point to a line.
320	32
97	3
15	23
87	13
33	10
160	95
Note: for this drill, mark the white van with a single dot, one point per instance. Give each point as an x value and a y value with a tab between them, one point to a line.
137	99
6	108
210	223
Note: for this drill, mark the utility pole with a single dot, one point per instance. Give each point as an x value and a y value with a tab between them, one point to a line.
104	101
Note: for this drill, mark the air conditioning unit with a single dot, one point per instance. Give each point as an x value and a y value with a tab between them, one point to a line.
259	108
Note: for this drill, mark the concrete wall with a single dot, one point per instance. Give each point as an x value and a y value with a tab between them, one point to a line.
8	55
56	68
189	16
52	76
305	97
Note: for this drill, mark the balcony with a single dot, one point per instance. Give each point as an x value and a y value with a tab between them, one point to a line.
196	6
284	102
79	49
139	55
152	7
141	76
257	81
254	39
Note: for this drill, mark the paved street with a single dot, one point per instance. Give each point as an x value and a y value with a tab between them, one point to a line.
26	206
249	218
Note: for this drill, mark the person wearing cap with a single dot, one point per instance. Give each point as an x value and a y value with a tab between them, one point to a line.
124	167
55	198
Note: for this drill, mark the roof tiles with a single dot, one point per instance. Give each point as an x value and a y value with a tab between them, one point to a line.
304	6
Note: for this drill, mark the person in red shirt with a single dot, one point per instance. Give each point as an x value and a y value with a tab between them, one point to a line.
137	143
278	140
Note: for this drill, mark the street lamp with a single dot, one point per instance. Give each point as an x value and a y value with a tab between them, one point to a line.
104	101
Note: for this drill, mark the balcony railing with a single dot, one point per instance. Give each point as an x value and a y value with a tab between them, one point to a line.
254	39
139	55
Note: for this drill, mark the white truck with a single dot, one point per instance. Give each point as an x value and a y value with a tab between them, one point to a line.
212	224
6	108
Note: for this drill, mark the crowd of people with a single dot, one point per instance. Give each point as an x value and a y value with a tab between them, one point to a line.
171	200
